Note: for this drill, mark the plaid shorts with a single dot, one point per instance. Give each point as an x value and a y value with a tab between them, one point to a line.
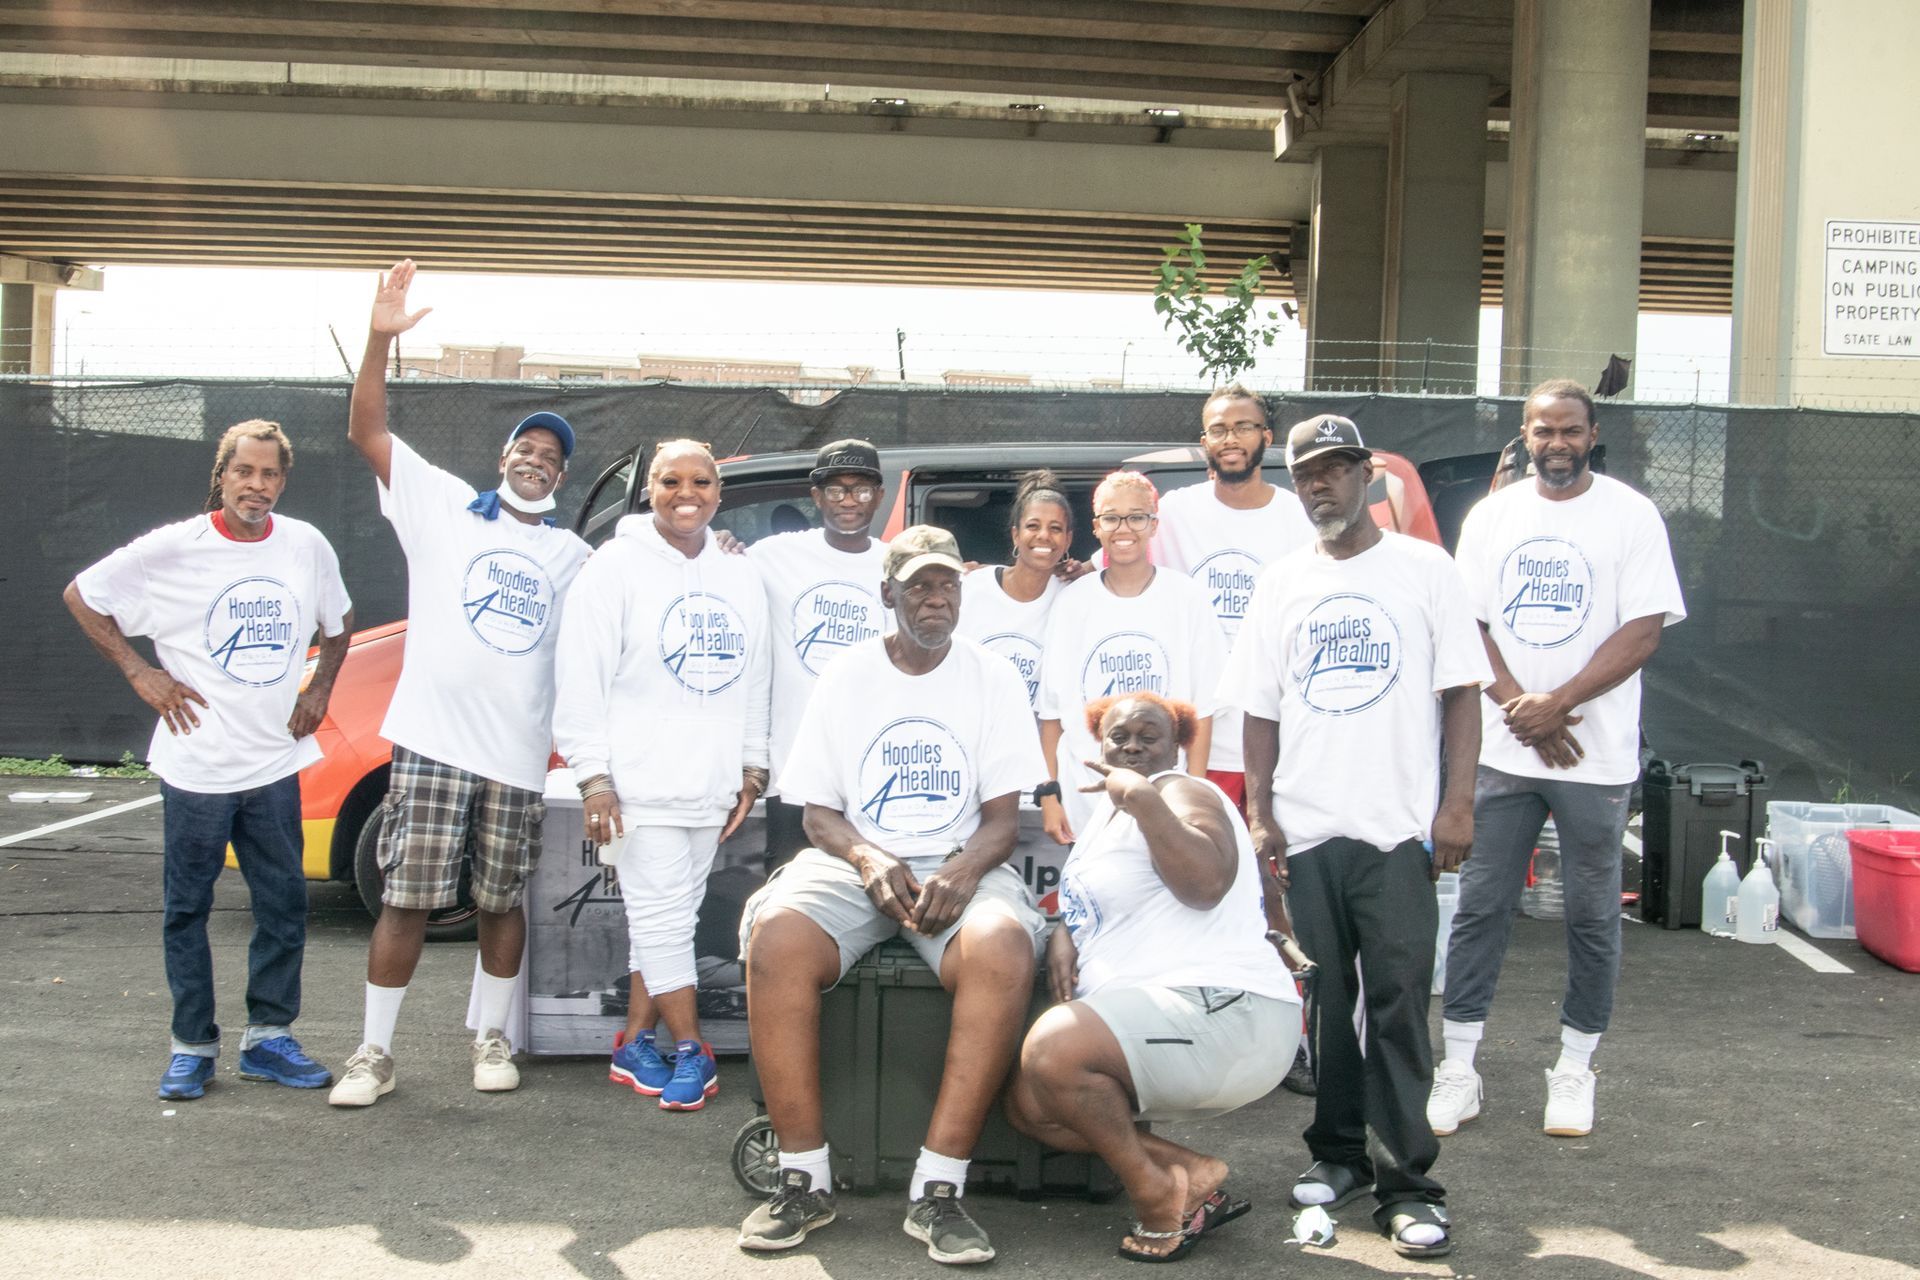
433	814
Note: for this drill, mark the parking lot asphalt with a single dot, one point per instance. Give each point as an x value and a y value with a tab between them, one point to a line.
1757	1119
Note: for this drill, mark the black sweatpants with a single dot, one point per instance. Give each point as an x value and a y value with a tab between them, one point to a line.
786	836
1367	917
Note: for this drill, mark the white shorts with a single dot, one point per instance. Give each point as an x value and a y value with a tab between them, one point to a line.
1198	1052
827	891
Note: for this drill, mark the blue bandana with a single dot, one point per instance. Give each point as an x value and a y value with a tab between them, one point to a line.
487	507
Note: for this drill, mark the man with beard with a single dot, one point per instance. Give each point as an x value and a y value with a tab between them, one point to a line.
1222	531
1572	581
1357	667
909	761
471	716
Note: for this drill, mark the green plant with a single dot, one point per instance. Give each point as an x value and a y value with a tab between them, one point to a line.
56	766
1223	336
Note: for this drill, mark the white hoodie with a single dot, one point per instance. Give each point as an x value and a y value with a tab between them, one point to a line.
663	671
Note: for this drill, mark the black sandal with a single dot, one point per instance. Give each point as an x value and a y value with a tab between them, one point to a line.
1345	1183
1413	1213
1184	1235
1217	1210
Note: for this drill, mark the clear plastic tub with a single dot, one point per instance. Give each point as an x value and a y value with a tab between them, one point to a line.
1815	871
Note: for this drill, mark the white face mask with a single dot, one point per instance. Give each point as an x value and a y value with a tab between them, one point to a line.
526	506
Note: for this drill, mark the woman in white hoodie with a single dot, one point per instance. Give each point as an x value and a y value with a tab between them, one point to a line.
663	671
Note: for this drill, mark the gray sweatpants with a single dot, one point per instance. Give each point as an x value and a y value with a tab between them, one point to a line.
1508	812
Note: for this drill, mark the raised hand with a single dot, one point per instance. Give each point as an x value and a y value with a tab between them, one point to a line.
390	315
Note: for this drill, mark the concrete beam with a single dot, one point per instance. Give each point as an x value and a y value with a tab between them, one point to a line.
55	275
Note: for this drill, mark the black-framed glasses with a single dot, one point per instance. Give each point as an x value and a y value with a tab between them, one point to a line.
1134	520
1220	434
841	492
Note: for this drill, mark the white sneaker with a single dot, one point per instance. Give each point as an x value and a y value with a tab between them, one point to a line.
493	1069
368	1078
1455	1098
1569	1103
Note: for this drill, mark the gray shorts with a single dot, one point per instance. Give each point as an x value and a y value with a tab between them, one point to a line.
827	891
1198	1052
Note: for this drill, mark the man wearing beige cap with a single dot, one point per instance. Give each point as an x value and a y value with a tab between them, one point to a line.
910	760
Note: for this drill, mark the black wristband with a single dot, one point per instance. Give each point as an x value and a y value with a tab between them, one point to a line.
1051	787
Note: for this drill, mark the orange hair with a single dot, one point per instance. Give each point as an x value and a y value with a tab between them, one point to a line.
1182	714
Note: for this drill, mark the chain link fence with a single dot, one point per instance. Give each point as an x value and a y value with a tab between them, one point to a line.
1797	532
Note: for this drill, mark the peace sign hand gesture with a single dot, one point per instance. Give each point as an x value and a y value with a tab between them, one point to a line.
390	315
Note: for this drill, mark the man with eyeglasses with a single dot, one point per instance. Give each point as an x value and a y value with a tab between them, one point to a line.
910	761
821	601
1222	531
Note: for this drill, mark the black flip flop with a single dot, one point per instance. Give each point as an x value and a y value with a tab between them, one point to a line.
1217	1210
1187	1237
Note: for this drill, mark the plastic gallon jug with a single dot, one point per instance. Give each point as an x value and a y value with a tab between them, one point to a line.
1446	892
1546	897
1757	918
1720	892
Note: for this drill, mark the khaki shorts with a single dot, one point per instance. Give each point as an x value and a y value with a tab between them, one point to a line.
827	891
1198	1052
433	813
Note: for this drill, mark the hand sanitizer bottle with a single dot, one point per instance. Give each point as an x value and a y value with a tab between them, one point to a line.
1719	892
1758	913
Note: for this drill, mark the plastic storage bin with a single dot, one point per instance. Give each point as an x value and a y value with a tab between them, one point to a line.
1815	869
1886	894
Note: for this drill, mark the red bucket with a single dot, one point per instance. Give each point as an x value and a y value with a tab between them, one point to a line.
1886	894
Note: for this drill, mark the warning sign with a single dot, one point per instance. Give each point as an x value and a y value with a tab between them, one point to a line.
1872	298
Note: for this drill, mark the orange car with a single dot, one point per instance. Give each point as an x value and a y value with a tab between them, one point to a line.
965	488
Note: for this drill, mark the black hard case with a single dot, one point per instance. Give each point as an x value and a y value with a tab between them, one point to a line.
1685	809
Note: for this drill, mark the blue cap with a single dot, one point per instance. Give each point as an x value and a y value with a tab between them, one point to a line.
549	421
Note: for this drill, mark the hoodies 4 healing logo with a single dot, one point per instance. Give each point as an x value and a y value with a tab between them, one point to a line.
1546	592
1346	655
508	601
915	779
252	631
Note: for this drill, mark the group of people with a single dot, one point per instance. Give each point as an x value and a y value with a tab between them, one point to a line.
1258	714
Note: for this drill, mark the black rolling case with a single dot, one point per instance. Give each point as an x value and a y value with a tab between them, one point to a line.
1685	809
883	1037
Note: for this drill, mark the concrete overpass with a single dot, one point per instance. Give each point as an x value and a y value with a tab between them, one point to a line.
1403	161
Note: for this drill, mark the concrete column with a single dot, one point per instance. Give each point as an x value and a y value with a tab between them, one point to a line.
1576	185
26	328
1824	136
1348	266
1436	219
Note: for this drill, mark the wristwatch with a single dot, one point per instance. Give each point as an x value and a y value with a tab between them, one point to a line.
1051	787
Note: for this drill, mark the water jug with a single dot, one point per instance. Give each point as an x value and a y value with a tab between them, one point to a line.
1446	892
1757	918
1719	892
1546	897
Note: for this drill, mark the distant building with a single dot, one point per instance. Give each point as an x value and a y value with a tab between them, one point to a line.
802	383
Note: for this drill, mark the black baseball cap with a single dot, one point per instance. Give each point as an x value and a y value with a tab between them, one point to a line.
843	456
1324	433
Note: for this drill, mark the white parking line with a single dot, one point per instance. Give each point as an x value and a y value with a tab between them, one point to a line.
52	827
1632	842
1808	954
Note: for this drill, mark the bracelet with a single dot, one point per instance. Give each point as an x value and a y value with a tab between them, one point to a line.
599	784
1051	787
757	775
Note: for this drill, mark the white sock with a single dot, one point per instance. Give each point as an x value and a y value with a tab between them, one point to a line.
383	1011
495	997
815	1164
1576	1050
1462	1039
934	1167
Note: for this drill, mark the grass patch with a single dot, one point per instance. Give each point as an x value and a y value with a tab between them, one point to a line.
55	766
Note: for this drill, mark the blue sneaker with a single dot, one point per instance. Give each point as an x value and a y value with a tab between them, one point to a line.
638	1065
281	1060
693	1079
188	1076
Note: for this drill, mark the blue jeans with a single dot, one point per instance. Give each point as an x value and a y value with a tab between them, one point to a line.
1508	812
263	826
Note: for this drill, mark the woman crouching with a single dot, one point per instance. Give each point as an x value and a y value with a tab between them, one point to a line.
1174	1005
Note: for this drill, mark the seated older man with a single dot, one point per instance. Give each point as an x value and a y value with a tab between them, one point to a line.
909	759
1173	1004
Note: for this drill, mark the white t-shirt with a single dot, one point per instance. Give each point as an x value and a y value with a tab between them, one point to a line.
1014	629
1350	657
1223	549
1552	581
483	612
231	621
910	759
1164	640
820	603
1130	931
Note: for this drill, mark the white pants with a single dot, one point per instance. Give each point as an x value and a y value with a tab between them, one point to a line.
663	878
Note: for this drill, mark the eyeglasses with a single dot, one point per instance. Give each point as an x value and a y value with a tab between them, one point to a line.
1219	434
841	492
1134	520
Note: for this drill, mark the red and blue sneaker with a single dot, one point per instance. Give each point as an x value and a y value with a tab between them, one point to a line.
638	1065
694	1078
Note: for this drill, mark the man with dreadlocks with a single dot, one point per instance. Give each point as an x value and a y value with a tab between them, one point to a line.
230	600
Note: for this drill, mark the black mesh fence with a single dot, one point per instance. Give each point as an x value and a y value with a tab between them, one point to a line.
1797	532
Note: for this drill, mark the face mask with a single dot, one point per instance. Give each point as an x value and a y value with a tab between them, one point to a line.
526	506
